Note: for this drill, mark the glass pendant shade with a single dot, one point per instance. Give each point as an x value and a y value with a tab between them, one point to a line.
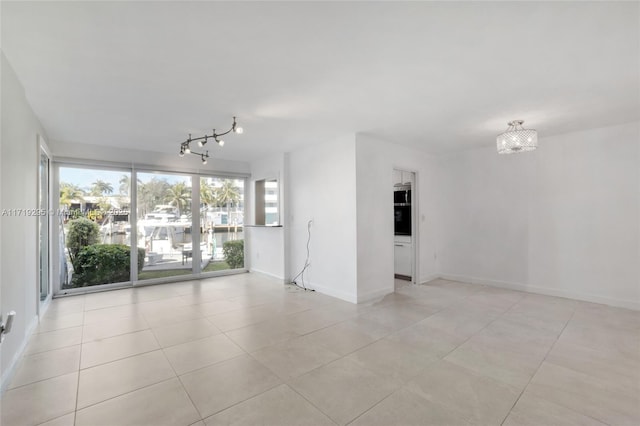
517	139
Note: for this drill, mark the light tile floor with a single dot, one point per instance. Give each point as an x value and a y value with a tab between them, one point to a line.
244	349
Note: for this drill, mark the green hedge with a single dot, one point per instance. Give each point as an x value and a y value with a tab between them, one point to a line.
103	264
234	253
82	233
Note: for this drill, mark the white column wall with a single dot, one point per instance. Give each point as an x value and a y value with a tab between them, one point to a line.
322	188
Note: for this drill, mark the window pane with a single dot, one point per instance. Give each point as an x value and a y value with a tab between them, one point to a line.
164	225
221	222
95	245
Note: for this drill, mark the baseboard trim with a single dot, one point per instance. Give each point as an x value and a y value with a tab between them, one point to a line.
375	294
269	274
428	278
348	297
7	375
547	291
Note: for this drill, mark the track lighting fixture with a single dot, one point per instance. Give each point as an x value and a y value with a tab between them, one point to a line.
185	147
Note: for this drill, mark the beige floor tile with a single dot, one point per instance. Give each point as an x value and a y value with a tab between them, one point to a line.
600	337
462	321
45	365
605	363
47	341
427	340
152	293
607	316
214	388
217	307
104	315
66	420
408	409
183	332
294	357
278	406
243	317
116	378
348	336
200	294
478	399
505	363
532	411
496	297
118	347
545	307
605	401
59	322
172	316
113	327
393	360
200	353
399	315
165	403
108	299
314	319
39	402
154	307
263	335
343	389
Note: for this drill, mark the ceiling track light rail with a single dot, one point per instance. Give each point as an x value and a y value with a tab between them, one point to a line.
185	147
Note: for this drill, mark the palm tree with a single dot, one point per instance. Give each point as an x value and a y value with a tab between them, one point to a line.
125	185
227	194
151	194
69	193
179	195
100	187
207	193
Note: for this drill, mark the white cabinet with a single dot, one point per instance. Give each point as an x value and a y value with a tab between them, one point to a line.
402	258
401	177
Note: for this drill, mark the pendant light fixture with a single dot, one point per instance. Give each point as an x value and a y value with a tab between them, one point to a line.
517	139
185	147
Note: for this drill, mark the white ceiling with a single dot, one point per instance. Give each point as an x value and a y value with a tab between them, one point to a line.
437	76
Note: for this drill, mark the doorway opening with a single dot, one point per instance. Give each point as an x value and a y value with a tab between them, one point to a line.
404	241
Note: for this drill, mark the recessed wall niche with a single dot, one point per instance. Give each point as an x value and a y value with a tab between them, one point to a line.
267	202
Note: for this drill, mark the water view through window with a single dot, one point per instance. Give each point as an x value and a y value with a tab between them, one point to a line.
96	226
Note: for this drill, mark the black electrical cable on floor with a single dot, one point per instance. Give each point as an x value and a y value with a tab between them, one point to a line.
306	262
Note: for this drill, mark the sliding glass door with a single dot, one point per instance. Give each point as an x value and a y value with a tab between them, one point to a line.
122	226
221	223
164	225
95	233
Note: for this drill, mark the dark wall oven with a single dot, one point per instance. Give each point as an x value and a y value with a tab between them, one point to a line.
402	210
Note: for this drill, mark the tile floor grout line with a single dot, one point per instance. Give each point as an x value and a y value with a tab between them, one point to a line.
538	368
75	411
310	402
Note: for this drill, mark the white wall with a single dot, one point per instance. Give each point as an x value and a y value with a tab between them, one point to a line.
322	186
18	181
563	220
375	161
266	245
